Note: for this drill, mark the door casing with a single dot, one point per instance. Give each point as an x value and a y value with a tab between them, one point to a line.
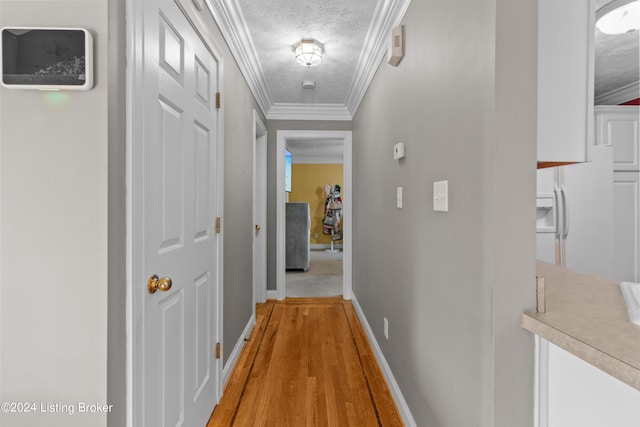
347	203
259	210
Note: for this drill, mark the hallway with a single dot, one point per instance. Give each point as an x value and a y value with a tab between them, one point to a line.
307	363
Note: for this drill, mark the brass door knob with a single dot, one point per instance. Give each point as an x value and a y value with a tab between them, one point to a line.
257	227
155	284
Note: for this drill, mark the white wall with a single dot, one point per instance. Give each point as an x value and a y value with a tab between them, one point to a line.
53	231
452	285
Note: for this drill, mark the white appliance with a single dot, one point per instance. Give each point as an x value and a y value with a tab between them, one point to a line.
575	214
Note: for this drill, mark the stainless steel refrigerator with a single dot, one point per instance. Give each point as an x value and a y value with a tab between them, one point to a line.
575	214
298	228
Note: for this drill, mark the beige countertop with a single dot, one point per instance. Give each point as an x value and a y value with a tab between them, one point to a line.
586	316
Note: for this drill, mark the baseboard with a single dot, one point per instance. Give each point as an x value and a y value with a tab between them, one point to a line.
237	349
272	294
320	246
405	413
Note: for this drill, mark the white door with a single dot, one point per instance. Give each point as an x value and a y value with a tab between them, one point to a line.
180	204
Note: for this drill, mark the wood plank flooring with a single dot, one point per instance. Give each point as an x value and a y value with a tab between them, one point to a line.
308	362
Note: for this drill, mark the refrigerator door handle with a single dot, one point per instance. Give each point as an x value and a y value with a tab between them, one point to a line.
565	214
557	209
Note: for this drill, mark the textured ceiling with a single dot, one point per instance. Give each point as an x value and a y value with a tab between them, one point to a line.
617	59
277	25
262	34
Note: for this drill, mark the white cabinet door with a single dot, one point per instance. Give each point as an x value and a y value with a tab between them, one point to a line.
580	394
620	126
626	199
565	80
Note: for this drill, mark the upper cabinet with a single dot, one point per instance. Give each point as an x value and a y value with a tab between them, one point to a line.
565	80
620	126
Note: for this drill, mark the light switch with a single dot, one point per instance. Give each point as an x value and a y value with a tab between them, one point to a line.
399	197
441	196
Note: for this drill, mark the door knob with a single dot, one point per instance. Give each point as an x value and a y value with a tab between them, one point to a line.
257	227
154	284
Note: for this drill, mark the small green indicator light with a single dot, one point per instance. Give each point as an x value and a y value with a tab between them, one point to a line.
56	97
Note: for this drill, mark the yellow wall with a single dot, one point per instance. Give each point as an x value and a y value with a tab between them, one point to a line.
307	185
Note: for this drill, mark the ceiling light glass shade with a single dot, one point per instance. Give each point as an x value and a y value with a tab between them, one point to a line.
308	53
618	19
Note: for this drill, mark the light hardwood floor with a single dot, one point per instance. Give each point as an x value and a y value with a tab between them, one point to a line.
308	362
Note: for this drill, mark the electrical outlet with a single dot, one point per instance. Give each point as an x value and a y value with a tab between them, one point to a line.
386	328
399	197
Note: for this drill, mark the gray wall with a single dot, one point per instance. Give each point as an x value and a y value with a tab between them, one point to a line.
273	126
117	226
55	229
239	105
452	285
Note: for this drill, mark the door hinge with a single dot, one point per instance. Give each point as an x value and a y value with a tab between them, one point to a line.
218	100
218	226
218	350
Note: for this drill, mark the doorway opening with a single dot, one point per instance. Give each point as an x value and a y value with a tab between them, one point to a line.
308	138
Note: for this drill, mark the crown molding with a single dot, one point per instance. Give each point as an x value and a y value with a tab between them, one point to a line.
228	15
291	111
388	15
620	95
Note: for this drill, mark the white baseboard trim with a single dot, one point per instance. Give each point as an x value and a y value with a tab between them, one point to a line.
272	294
405	413
235	354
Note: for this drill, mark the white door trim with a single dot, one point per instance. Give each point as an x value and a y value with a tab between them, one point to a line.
259	210
347	203
134	256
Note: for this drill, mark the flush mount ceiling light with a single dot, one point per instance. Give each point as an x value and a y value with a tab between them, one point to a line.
308	53
619	17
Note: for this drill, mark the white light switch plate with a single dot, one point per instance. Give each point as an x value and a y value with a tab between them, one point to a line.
399	197
441	196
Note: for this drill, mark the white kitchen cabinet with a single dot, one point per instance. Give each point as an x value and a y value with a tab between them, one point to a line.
620	126
565	80
575	393
626	200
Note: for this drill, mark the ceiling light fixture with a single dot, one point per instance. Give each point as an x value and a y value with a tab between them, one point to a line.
619	17
308	53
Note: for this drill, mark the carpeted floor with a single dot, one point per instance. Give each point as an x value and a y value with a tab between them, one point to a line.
323	279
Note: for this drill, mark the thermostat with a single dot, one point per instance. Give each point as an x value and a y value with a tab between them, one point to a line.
398	151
